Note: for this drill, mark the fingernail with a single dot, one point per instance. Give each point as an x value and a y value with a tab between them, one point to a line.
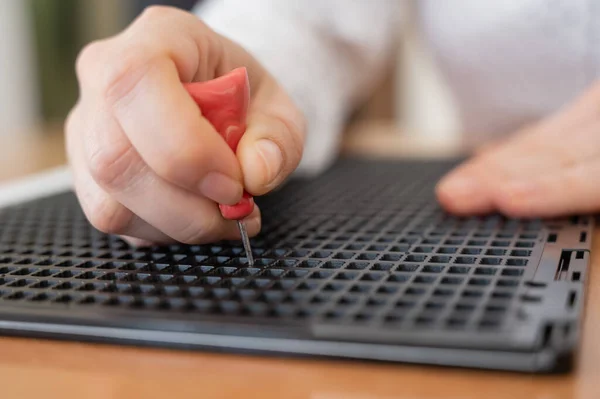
272	157
221	188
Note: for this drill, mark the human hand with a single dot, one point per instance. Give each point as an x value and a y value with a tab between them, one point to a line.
546	170
146	164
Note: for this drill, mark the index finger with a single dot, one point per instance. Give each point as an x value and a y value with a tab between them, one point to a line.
143	89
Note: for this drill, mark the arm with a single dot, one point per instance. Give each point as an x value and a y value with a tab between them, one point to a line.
328	55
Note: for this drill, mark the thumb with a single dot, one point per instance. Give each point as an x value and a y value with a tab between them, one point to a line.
273	143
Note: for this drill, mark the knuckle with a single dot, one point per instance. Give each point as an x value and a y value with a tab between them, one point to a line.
87	60
106	215
70	128
125	73
70	124
159	11
110	166
114	67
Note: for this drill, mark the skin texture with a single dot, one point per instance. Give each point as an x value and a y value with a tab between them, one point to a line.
549	169
147	165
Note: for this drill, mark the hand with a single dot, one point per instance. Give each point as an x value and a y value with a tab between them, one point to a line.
146	164
550	169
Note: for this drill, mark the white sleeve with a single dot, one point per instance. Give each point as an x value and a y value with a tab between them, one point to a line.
328	55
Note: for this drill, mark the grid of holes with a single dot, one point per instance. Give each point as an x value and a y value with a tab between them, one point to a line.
376	249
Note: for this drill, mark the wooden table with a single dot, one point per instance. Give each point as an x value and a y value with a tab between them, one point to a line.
50	369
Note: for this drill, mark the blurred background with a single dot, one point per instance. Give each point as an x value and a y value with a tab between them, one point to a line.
40	40
39	43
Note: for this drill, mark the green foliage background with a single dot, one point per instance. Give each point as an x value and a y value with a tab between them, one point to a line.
62	27
58	39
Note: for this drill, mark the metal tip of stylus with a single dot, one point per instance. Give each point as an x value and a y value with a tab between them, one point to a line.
246	242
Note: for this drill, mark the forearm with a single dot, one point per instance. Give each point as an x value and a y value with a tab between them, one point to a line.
327	55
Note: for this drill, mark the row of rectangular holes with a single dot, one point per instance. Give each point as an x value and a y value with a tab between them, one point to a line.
391	285
392	280
444	259
284	285
184	259
469	301
436	264
424	216
127	254
92	242
350	225
432	310
398	276
405	247
465	306
405	223
302	253
54	248
401	237
83	263
288	283
460	241
475	250
141	255
9	239
518	259
402	248
414	256
226	268
186	273
506	292
372	243
402	267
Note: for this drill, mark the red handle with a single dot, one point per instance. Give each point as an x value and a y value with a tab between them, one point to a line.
224	103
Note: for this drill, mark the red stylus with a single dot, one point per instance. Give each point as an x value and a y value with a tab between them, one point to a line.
224	103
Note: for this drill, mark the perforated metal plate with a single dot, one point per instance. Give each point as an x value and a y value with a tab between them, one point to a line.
358	263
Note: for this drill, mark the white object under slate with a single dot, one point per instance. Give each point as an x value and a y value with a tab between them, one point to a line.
37	185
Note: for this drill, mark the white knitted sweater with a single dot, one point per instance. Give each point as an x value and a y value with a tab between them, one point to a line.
507	62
